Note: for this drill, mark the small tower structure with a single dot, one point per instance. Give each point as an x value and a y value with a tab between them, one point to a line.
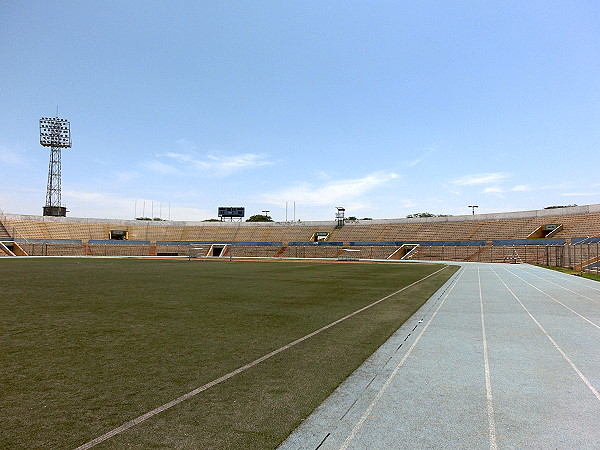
339	215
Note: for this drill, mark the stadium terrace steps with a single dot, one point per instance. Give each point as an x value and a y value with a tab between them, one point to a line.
459	238
441	253
52	249
575	225
477	255
583	225
4	234
119	249
281	250
372	252
27	229
532	254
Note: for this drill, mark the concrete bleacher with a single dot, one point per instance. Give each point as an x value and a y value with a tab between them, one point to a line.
118	248
448	253
53	247
264	251
373	252
581	225
470	237
547	254
519	228
313	251
576	221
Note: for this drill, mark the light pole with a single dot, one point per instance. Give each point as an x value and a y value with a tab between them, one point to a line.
56	134
473	208
266	212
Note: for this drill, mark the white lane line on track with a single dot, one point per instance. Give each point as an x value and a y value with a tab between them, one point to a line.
367	412
560	350
557	301
488	379
560	286
196	391
570	278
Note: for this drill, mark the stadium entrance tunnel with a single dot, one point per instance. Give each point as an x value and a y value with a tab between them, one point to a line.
6	249
218	250
319	236
405	251
546	231
11	248
118	235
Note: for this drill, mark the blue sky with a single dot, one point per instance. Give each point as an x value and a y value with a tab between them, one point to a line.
385	108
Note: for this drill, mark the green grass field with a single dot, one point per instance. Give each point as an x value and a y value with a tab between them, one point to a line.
590	276
89	344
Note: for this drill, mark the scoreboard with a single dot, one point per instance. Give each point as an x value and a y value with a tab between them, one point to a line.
236	212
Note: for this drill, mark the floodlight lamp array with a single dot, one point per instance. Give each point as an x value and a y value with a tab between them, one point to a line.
55	132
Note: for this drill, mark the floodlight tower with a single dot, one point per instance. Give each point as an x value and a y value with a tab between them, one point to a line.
56	134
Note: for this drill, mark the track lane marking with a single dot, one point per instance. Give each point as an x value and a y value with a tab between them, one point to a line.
557	301
176	401
571	279
560	350
562	287
387	383
488	379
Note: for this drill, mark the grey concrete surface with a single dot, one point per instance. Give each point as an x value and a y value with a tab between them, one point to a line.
502	356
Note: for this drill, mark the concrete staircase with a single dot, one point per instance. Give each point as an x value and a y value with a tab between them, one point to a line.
4	235
6	242
5	251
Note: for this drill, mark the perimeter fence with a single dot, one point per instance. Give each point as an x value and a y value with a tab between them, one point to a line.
582	255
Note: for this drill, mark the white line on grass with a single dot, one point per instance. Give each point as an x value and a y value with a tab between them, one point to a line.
237	371
488	380
367	412
560	350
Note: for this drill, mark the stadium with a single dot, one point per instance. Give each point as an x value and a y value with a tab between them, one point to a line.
241	334
384	314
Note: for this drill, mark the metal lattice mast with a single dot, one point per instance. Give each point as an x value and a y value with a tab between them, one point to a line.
54	176
56	134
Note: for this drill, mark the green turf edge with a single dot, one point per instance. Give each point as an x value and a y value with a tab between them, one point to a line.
589	276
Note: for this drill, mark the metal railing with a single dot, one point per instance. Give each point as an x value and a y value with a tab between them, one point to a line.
583	256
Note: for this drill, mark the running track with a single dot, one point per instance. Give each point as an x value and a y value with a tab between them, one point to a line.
503	356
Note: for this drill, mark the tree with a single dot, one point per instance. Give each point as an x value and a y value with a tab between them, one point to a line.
259	218
418	215
559	206
425	214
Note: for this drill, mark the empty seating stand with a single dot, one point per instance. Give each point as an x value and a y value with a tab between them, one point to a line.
494	237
